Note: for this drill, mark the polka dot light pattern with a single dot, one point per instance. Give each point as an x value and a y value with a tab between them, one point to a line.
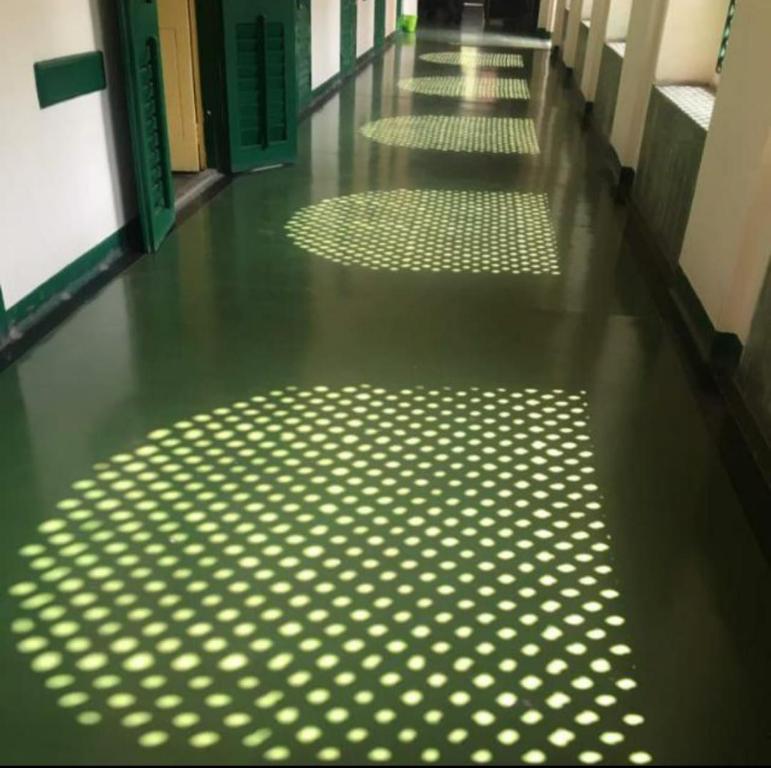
473	58
695	100
354	575
468	88
497	135
432	231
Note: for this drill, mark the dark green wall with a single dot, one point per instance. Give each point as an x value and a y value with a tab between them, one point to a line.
583	40
607	90
670	158
755	370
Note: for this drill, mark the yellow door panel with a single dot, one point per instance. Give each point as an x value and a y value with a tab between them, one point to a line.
176	28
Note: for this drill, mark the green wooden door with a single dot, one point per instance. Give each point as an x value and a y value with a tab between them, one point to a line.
380	22
347	36
260	82
147	117
303	53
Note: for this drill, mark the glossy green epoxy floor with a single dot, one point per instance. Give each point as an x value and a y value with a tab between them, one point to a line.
384	514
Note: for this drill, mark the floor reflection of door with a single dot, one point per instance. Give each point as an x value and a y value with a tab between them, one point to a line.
178	49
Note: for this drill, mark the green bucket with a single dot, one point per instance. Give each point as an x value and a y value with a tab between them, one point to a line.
409	23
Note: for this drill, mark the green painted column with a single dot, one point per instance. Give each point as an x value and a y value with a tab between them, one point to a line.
380	23
348	15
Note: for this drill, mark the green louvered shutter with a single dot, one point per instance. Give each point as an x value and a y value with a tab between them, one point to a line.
347	36
380	22
726	35
140	41
260	82
303	48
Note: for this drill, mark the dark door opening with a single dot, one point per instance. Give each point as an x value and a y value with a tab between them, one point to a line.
515	16
232	87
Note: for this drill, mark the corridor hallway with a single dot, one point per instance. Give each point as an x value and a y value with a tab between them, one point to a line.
384	457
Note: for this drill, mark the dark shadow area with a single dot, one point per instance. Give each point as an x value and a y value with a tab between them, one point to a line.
515	16
441	12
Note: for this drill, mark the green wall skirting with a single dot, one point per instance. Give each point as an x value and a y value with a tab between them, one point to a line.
62	286
327	89
68	77
72	278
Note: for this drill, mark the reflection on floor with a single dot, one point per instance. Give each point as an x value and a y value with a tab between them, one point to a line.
323	574
189	186
384	457
432	230
471	57
506	135
469	88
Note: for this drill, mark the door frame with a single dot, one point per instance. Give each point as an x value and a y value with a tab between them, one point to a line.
211	95
154	222
352	6
381	13
197	84
304	89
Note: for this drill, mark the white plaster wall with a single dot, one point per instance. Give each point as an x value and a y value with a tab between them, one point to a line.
546	15
390	17
365	31
575	17
410	7
691	40
619	13
325	41
558	37
642	45
66	170
728	240
594	48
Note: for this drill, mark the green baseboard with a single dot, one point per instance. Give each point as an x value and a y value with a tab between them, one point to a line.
72	278
327	89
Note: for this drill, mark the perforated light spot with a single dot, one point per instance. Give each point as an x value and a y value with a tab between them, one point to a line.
473	58
342	575
698	102
619	46
432	231
497	135
468	88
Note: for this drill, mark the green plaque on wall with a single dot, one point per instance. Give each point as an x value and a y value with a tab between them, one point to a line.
68	77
